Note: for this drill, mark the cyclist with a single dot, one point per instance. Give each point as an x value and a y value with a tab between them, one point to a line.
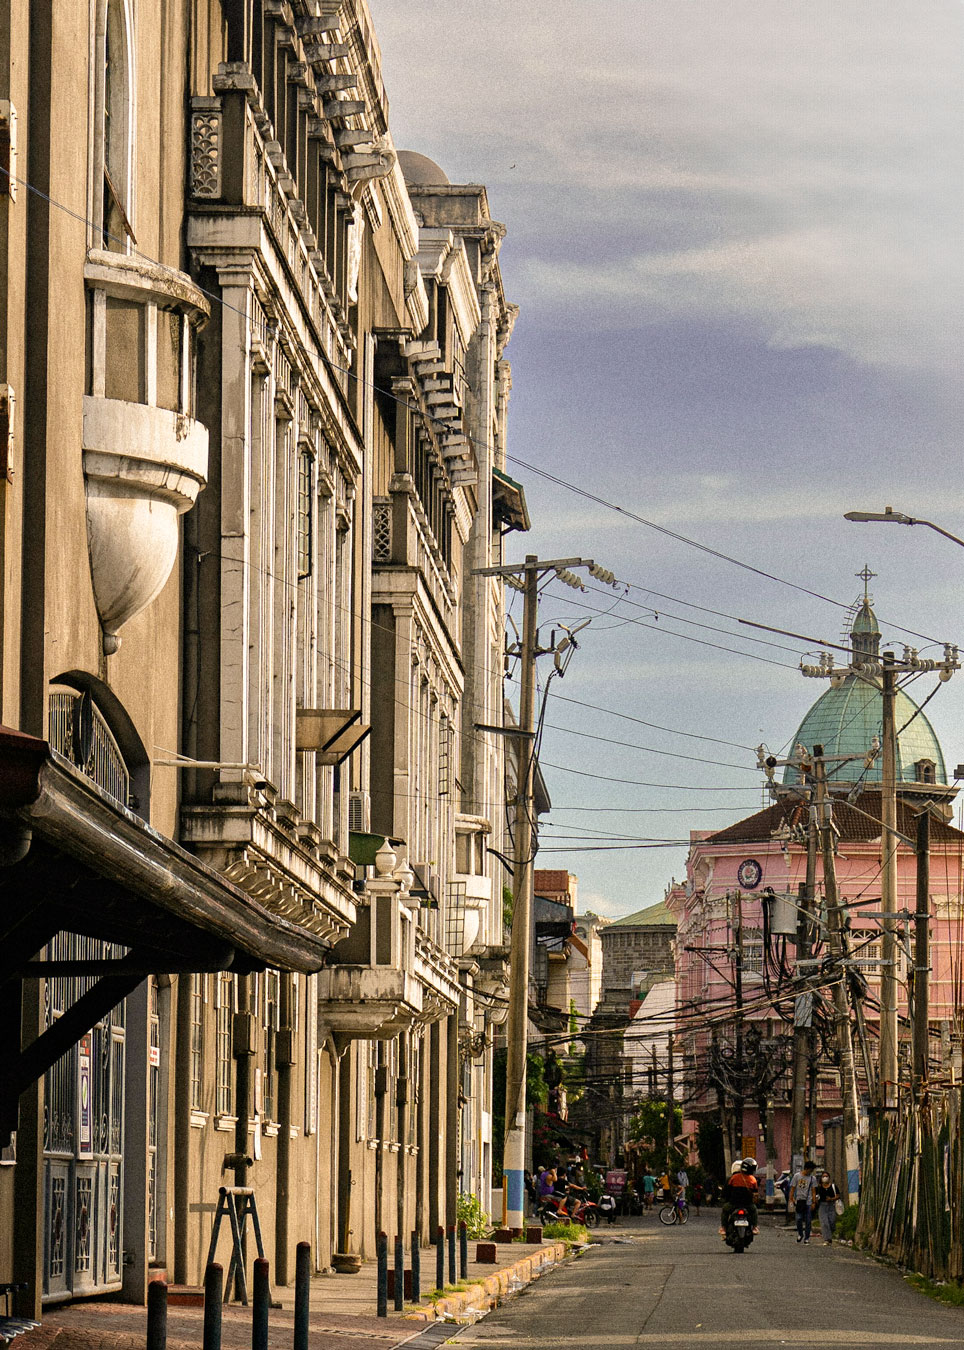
740	1191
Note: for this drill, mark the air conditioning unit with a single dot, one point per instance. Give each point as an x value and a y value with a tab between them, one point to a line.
359	812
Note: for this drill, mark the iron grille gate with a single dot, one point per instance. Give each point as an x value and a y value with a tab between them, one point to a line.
83	1140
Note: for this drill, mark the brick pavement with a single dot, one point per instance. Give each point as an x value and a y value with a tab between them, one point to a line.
342	1312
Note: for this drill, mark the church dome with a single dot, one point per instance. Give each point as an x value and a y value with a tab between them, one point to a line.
846	718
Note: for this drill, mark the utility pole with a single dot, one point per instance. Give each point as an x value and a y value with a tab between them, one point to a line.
921	972
803	1002
523	855
845	1049
888	886
738	1029
513	1166
670	1110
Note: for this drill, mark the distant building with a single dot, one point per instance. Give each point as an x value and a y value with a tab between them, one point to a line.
637	950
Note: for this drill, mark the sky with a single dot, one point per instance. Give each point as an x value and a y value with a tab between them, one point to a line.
735	236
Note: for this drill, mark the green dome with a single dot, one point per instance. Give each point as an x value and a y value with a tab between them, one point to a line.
845	721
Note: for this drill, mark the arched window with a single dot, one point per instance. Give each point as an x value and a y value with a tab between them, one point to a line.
89	726
925	771
113	127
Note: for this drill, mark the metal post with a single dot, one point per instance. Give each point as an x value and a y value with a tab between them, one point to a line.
463	1250
262	1301
416	1268
518	1018
452	1275
381	1292
213	1292
888	887
399	1273
302	1294
440	1258
922	954
157	1315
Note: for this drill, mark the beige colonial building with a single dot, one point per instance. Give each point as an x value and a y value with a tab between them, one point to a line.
252	420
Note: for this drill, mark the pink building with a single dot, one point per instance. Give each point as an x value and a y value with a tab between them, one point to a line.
737	914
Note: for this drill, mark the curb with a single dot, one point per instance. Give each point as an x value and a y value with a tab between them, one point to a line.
484	1295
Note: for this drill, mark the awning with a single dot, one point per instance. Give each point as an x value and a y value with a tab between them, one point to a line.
74	859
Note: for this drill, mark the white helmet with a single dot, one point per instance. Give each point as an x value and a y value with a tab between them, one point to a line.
736	1166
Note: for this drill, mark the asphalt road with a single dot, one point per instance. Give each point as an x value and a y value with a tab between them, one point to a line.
646	1285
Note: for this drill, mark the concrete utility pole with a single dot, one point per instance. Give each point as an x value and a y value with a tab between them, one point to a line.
921	972
533	569
888	886
803	1003
845	1049
513	1165
738	1038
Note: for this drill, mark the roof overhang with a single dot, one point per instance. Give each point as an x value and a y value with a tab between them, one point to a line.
509	502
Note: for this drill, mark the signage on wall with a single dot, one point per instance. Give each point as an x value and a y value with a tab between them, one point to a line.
749	874
85	1134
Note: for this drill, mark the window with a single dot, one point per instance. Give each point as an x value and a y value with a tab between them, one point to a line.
197	1041
925	771
113	150
305	513
224	1086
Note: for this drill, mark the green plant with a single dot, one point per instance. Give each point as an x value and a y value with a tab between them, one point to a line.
564	1232
468	1210
943	1293
846	1225
508	904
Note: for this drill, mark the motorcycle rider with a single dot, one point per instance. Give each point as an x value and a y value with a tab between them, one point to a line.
740	1192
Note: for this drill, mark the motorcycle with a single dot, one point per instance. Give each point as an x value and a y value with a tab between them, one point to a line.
739	1230
555	1209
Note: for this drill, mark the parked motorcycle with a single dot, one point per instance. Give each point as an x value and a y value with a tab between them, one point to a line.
555	1209
739	1230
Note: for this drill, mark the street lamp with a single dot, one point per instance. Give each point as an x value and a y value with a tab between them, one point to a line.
899	518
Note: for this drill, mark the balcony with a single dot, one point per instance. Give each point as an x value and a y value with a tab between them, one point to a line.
144	456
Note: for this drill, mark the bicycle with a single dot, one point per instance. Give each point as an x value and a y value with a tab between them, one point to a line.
677	1211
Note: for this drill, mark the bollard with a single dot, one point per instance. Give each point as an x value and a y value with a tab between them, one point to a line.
451	1255
262	1300
399	1274
463	1250
213	1293
416	1268
157	1315
382	1285
440	1258
302	1292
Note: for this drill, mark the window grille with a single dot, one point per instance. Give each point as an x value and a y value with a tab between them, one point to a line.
382	531
224	1059
96	755
455	916
305	521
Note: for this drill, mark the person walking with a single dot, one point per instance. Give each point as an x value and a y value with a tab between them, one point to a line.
826	1195
802	1189
649	1188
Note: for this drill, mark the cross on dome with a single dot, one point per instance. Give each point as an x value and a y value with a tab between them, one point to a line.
865	576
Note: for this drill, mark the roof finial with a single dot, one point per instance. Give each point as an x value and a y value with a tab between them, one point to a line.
865	576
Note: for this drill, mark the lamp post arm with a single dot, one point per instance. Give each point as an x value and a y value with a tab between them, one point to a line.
946	533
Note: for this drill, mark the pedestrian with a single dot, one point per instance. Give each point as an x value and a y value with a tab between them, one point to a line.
649	1188
697	1196
802	1189
826	1195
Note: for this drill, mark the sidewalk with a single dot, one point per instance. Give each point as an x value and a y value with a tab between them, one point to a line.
342	1311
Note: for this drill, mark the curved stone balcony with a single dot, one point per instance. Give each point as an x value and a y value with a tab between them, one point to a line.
144	456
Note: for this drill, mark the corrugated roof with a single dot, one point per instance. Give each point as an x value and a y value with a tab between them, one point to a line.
853	826
653	915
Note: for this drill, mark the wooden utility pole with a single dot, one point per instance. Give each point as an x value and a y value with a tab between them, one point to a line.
888	886
835	941
921	972
738	1037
